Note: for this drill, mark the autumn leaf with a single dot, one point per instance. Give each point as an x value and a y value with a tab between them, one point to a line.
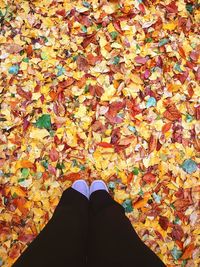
54	155
172	113
152	143
82	64
149	178
188	252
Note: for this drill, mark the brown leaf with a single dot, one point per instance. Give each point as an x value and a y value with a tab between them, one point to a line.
13	48
82	64
164	222
152	143
181	204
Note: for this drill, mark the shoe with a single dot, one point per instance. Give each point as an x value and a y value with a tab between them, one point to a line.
82	187
98	185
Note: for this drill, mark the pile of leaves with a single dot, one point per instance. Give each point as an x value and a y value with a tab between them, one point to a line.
101	90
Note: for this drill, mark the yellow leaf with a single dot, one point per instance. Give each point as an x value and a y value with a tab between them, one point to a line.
39	134
170	26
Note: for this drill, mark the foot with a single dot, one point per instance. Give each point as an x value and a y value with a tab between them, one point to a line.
82	187
98	185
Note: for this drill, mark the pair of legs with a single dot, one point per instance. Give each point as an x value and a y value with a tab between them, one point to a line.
92	233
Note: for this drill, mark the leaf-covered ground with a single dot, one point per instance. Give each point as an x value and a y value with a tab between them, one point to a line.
101	90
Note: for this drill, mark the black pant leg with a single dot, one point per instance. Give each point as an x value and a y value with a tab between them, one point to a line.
112	239
63	241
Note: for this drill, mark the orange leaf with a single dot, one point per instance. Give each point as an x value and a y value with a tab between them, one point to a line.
29	50
149	178
141	203
188	252
172	113
181	51
71	177
166	127
104	144
24	164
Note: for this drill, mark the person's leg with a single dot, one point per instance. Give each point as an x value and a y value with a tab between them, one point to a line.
112	239
62	242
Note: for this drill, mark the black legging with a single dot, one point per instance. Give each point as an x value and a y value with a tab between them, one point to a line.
93	233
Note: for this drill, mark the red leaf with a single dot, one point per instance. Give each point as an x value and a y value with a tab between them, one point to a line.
92	60
54	155
164	222
117	26
15	251
22	93
142	8
66	83
96	90
197	112
88	40
82	64
149	178
26	238
177	232
26	124
105	145
172	8
61	12
140	60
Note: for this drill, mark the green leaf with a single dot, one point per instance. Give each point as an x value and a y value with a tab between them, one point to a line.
148	40
25	172
44	122
75	58
127	204
116	60
21	180
163	42
84	29
177	67
1	14
26	59
86	4
45	164
135	171
14	195
99	26
189	118
74	163
189	8
60	166
141	193
82	167
12	95
86	89
114	35
176	254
